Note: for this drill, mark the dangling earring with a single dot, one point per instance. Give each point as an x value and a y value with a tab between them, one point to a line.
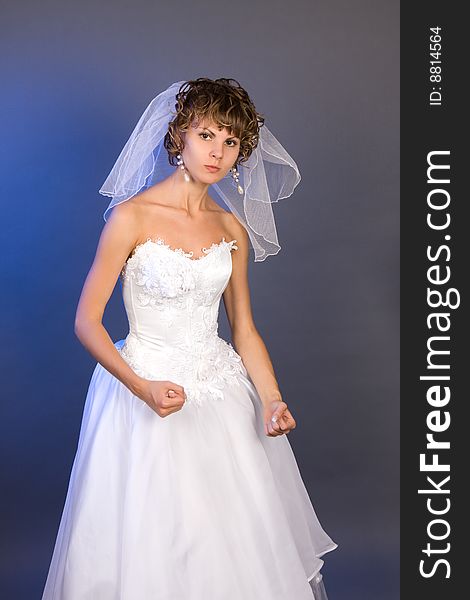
180	164
235	175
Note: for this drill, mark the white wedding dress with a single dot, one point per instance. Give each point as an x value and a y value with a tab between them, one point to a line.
201	504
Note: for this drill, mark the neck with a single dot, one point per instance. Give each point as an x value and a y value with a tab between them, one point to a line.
190	196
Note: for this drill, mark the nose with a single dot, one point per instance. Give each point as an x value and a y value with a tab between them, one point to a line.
217	152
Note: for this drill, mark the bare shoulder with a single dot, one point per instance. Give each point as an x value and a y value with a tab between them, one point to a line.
236	229
135	213
124	216
230	224
121	232
138	205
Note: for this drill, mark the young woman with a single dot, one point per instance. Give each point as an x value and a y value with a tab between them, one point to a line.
184	485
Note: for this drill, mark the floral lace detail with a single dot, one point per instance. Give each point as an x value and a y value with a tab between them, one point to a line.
167	286
179	251
186	293
203	370
218	366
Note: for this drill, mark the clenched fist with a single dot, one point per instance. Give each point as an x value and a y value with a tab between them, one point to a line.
163	397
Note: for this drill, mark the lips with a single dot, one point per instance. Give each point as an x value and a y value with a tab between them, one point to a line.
212	168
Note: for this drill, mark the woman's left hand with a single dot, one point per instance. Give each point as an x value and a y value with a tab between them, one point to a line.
277	418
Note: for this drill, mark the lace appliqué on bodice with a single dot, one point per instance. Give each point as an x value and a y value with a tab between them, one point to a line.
203	374
168	287
186	293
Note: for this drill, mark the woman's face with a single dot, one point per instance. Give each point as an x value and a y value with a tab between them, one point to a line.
207	145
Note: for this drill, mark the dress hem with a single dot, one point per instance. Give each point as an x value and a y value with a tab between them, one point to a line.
328	549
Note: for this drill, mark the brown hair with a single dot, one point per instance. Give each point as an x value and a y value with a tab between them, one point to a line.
222	101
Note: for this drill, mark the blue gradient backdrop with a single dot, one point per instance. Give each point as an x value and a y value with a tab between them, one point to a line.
76	77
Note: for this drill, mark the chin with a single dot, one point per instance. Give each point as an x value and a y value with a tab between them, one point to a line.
210	178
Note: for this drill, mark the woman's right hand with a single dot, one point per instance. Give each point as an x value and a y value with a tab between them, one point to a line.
163	397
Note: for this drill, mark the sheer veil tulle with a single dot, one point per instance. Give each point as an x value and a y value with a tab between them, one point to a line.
269	175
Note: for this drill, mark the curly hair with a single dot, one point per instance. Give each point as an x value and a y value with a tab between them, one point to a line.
222	101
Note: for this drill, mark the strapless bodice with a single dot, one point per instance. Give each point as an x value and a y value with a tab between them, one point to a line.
172	304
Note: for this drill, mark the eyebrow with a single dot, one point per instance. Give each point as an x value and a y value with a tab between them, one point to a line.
210	131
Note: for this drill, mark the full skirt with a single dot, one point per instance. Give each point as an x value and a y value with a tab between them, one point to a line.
199	505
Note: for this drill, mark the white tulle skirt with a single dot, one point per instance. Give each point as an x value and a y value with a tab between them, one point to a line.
199	505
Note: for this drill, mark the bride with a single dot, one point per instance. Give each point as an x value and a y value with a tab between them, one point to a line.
184	485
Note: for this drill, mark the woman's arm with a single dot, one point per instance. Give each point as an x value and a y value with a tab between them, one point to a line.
249	344
117	240
246	339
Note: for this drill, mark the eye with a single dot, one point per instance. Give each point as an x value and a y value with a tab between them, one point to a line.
231	143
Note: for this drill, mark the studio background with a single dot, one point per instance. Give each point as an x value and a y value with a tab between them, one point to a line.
78	75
